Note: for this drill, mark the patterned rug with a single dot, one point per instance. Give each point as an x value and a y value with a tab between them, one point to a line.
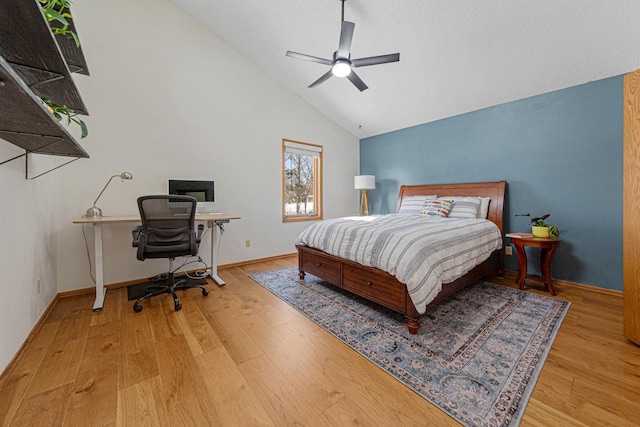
477	354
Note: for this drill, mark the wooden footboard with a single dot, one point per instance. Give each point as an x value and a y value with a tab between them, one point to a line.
379	286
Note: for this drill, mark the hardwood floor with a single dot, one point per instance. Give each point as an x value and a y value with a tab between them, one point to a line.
243	357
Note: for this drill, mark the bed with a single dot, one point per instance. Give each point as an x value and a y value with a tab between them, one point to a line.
384	288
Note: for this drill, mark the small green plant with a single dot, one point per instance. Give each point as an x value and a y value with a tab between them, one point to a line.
57	14
539	221
60	111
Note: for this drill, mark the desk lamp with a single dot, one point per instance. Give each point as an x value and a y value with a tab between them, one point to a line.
96	211
364	183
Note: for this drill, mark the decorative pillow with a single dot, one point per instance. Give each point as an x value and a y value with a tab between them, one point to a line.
412	205
464	207
436	208
484	207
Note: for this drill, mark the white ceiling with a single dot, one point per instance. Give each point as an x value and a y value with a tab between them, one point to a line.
455	56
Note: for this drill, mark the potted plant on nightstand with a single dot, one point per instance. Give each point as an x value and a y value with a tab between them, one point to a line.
539	228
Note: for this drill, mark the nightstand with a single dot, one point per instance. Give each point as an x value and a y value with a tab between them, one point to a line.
548	246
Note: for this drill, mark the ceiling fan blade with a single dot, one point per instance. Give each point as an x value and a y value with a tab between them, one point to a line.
374	60
308	58
357	81
322	79
346	35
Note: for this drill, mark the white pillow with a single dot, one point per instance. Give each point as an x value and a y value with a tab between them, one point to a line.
412	205
484	207
464	207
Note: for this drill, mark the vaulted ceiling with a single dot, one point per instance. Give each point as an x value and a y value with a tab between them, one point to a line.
455	56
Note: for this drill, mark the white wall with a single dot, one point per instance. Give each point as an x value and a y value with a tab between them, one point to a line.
28	248
168	99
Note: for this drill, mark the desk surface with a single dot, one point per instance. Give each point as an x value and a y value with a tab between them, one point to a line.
136	218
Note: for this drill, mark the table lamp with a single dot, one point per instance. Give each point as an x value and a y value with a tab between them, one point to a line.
364	183
96	211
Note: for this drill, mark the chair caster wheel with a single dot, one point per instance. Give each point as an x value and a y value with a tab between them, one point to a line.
205	292
178	307
137	308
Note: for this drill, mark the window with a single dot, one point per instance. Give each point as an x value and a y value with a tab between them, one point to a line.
301	181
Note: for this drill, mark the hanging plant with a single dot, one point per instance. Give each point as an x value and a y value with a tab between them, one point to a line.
57	13
60	111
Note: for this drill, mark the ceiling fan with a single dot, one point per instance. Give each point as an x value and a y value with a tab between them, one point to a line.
342	65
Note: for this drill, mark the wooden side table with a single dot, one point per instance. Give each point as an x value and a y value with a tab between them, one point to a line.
548	246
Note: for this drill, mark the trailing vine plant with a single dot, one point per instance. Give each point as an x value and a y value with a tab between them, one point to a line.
60	111
57	14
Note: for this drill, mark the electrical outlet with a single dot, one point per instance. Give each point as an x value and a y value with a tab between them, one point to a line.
508	250
247	243
38	287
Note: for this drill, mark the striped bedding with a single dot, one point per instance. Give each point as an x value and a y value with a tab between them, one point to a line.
423	253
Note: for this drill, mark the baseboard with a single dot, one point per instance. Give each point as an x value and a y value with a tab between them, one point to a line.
559	282
508	273
36	328
255	261
145	279
112	285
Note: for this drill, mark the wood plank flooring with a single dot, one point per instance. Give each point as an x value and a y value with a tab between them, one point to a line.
243	357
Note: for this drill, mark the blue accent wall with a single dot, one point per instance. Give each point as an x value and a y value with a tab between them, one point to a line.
560	153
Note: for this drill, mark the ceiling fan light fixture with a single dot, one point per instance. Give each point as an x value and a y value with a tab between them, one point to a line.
342	64
341	68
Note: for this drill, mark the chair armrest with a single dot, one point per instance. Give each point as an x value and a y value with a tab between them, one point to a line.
135	233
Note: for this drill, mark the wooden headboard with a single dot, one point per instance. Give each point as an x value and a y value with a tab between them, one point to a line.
494	190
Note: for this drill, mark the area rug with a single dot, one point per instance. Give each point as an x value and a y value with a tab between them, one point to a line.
477	354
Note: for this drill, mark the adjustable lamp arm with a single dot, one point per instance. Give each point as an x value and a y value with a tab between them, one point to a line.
94	211
103	188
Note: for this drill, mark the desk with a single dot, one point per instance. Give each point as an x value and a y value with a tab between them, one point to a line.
548	246
213	221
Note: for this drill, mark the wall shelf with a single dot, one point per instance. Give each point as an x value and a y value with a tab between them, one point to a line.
27	43
26	122
32	66
72	53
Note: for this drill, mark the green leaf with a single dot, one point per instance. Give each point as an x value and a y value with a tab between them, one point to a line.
54	15
83	129
75	37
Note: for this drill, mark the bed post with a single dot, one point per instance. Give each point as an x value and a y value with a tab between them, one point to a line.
411	315
301	272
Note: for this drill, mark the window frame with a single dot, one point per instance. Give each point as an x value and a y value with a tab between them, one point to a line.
313	149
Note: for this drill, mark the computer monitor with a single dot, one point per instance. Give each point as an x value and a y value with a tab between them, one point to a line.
202	191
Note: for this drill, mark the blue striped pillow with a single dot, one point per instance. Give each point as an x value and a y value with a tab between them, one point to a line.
464	207
412	205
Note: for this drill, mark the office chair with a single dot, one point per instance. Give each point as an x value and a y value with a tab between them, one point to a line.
167	231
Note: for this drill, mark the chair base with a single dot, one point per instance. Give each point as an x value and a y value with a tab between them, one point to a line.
171	287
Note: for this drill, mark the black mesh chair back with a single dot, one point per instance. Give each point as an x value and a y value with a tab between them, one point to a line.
168	226
167	231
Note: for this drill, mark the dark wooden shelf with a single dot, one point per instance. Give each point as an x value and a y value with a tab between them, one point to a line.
72	53
27	43
26	122
36	64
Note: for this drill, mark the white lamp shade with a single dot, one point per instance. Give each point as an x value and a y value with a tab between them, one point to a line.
341	68
364	182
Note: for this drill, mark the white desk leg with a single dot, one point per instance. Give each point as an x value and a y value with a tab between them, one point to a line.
215	236
97	249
